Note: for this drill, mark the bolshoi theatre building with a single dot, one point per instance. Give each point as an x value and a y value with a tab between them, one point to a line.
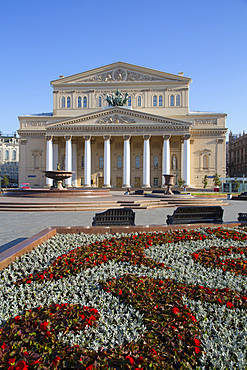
130	145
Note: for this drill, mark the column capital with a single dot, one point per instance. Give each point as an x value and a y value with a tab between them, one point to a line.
186	137
87	137
68	137
48	137
23	141
107	137
146	137
127	137
166	137
220	141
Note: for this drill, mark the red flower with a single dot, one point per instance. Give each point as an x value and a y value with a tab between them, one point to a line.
4	346
140	359
17	318
197	350
43	325
47	334
175	310
21	365
11	361
197	342
131	360
196	256
219	300
89	367
153	351
120	292
229	305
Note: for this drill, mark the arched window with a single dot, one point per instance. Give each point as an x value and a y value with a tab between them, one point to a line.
178	100
14	155
154	101
79	102
100	101
119	161
68	102
129	101
160	101
172	100
139	101
156	161
6	155
85	102
101	161
63	102
138	162
82	161
205	162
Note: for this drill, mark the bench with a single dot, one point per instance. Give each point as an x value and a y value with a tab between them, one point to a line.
242	217
115	217
196	214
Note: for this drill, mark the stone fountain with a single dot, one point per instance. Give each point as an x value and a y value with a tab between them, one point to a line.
169	182
58	176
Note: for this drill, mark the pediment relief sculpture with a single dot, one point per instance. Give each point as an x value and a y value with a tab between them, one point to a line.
121	74
116	119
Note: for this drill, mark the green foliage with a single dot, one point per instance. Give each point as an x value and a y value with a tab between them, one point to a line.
205	181
181	183
216	179
5	181
237	184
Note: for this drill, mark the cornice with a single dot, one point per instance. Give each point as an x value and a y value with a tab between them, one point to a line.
209	132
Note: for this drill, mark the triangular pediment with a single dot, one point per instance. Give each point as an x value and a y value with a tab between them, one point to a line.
113	116
120	72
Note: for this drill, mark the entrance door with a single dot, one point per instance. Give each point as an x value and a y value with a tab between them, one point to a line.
137	182
119	182
100	182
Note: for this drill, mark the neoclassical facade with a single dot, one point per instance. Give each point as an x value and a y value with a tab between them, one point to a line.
122	146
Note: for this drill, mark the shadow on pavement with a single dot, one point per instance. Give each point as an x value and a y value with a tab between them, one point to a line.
8	245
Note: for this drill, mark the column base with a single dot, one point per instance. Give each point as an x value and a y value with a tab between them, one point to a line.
107	186
126	186
86	186
146	186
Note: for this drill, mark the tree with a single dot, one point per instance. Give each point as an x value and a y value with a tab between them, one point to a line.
5	181
237	184
216	179
205	181
181	183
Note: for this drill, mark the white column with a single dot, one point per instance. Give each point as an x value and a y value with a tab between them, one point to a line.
166	157
55	155
186	160
68	159
126	162
87	162
182	159
49	158
146	162
107	162
74	164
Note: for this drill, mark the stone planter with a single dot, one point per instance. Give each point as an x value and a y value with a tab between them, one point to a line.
169	182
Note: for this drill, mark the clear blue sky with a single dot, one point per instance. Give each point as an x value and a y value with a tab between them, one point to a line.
205	39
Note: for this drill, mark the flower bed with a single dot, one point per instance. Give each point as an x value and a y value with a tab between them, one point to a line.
160	301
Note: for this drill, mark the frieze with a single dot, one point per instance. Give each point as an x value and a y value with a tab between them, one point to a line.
116	119
205	121
32	124
121	74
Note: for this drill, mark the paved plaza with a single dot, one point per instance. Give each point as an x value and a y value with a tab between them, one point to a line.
18	226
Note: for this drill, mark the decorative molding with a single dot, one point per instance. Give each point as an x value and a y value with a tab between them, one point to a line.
166	137
48	137
127	137
116	119
107	137
32	124
146	137
187	137
87	137
220	141
205	121
121	74
68	137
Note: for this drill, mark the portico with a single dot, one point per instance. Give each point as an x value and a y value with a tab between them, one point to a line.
122	146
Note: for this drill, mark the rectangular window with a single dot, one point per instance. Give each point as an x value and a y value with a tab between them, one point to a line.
119	161
156	181
138	161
